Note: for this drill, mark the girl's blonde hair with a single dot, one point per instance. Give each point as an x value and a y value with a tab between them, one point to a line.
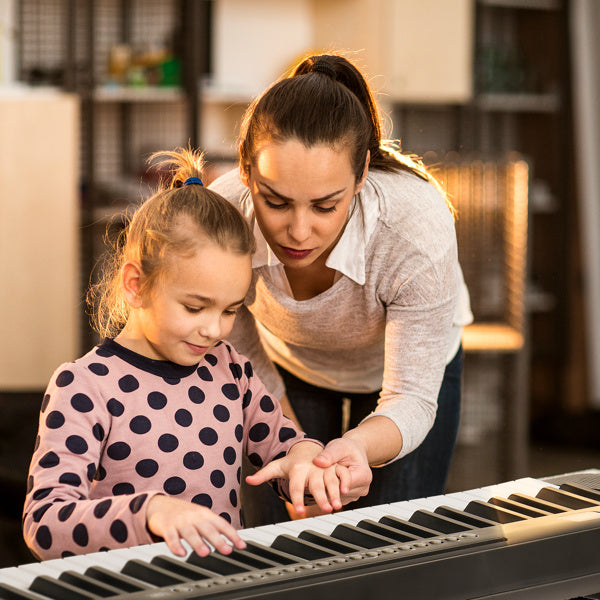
159	228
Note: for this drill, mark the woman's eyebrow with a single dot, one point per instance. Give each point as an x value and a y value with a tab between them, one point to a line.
286	199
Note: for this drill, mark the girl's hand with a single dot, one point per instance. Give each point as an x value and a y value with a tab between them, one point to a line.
175	520
326	485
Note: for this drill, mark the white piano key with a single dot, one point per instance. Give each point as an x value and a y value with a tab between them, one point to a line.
17	577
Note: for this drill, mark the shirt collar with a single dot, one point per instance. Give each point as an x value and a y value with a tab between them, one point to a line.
349	254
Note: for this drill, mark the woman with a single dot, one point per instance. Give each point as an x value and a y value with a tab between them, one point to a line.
357	292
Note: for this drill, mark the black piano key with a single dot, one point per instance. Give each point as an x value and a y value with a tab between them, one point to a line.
494	513
118	580
438	522
59	590
523	509
407	527
387	531
360	537
89	584
277	556
180	567
537	503
328	541
252	560
151	574
301	548
8	592
581	491
567	499
218	563
463	517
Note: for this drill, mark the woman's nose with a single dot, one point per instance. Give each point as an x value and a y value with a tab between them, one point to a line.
299	227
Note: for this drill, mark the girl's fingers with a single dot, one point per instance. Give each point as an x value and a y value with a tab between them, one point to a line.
173	541
191	535
316	487
332	486
297	487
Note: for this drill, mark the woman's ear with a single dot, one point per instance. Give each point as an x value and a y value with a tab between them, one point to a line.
363	177
131	283
245	174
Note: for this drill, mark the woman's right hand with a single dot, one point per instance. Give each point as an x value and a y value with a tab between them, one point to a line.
175	520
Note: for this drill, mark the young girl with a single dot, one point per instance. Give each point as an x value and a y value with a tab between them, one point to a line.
142	438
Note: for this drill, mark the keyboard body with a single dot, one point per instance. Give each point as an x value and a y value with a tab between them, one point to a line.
536	539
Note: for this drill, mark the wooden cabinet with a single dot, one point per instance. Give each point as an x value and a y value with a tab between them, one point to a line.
39	236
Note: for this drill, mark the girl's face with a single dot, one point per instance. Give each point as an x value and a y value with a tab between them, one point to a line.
302	198
191	308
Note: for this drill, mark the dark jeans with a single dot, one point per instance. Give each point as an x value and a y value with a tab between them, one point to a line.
421	473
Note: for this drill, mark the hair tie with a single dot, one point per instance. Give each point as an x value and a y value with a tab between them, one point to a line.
324	67
190	180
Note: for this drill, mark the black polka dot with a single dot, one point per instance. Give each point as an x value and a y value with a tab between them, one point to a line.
211	359
98	369
128	383
233	498
196	395
55	419
118	530
258	432
80	535
65	378
238	475
203	500
101	473
39	513
286	433
36	444
140	424
221	413
172	380
42	493
225	516
66	511
43	537
82	403
44	404
280	455
239	432
266	404
229	455
91	471
248	371
208	436
102	508
204	374
236	370
174	486
217	478
50	459
157	400
230	391
104	352
76	444
66	554
247	399
255	459
124	488
168	442
118	451
146	468
115	408
29	486
98	432
136	504
70	479
183	417
193	460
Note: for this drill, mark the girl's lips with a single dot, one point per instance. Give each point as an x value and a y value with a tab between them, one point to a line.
197	349
297	254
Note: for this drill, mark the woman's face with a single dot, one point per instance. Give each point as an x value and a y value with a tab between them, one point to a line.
301	198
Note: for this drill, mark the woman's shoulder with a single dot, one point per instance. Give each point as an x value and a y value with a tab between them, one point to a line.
229	185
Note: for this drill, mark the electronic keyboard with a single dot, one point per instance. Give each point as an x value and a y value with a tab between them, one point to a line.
528	538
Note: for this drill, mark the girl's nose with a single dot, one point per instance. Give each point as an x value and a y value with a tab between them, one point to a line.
210	327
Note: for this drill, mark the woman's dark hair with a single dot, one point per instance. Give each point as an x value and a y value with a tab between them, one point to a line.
325	100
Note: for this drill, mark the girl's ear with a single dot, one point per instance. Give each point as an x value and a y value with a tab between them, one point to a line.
363	177
131	283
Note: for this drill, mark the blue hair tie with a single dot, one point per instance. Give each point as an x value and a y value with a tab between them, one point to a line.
193	180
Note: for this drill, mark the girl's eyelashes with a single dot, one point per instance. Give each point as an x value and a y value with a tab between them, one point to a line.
192	309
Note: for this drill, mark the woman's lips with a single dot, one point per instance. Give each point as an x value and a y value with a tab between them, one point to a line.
296	254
